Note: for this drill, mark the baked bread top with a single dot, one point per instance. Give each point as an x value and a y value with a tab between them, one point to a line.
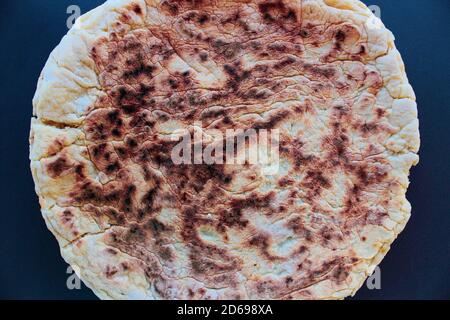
117	91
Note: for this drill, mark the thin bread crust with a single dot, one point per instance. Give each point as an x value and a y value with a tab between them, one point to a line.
130	73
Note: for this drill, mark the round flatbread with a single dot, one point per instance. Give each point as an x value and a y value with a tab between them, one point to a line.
131	75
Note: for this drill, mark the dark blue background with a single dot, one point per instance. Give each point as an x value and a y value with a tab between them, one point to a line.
417	267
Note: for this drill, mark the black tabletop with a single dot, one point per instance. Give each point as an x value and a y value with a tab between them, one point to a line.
418	265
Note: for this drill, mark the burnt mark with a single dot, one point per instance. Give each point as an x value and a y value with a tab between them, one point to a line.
277	47
368	176
315	182
113	167
122	152
88	192
136	9
326	72
98	150
131	143
149	175
295	150
285	182
67	216
148	200
111	251
105	158
380	113
98	131
119	197
173	83
205	172
227	50
110	271
127	100
203	56
304	33
265	287
261	241
284	63
298	227
288	281
328	234
253	201
144	91
376	217
166	253
337	146
80	172
135	233
355	208
362	50
140	69
142	119
235	76
230	218
205	259
158	152
189	222
128	198
340	273
340	36
203	19
368	128
116	216
114	117
101	125
171	7
156	227
56	167
277	11
213	114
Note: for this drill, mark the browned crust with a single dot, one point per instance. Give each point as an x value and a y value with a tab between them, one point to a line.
122	135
